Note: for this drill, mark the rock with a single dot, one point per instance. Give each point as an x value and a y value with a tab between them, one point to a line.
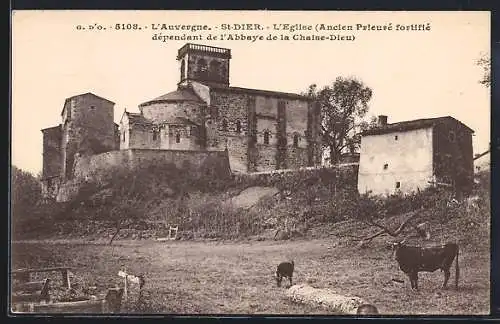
251	196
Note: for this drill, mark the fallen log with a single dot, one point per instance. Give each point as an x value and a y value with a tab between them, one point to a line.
325	298
84	306
30	286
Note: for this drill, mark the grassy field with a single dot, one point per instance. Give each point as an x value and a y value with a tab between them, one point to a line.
237	277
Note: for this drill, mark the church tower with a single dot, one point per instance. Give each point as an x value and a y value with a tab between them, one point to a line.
206	64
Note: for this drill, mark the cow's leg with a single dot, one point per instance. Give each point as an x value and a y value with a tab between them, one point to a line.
411	280
446	277
290	281
414	279
278	280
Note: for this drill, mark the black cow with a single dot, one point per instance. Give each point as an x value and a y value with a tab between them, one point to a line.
412	260
285	269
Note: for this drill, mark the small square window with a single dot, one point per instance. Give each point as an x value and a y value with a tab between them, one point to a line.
92	107
396	137
398	185
386	166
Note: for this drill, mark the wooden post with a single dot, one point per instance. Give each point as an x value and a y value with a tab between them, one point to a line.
103	306
65	276
125	290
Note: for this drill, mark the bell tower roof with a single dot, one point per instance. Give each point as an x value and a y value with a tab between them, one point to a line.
204	63
204	50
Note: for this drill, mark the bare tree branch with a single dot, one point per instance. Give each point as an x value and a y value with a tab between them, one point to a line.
386	230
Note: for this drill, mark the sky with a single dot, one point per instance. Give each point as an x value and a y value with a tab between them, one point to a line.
413	74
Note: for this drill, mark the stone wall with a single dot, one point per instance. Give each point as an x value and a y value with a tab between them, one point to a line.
194	162
296	157
88	128
231	109
52	158
258	114
396	162
205	68
160	111
345	174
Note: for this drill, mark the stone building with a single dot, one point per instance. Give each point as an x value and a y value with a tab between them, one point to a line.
413	155
262	130
87	128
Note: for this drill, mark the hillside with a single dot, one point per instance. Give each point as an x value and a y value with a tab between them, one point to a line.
305	205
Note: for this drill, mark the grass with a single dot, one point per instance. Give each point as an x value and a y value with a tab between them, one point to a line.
237	277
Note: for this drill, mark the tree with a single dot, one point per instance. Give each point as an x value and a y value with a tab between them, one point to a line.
485	63
344	106
25	192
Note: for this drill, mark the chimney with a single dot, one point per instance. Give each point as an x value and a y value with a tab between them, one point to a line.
382	120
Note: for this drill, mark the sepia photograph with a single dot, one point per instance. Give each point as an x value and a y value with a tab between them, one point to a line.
287	163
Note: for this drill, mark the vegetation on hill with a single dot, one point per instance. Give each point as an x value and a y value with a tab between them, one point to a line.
144	202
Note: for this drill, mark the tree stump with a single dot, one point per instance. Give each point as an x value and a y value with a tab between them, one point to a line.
325	298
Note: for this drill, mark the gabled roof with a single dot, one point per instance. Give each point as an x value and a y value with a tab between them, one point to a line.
412	125
257	92
477	156
181	94
53	128
136	118
82	95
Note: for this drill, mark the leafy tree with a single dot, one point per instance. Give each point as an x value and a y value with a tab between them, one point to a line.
485	63
344	105
25	192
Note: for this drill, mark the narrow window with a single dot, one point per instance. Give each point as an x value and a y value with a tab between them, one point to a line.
202	67
123	136
452	136
177	138
214	69
386	166
183	69
396	137
398	185
224	125
238	126
155	135
266	137
295	140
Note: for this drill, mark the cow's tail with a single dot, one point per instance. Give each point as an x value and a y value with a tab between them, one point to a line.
457	269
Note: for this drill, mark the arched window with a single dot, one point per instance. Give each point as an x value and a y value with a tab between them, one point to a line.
295	140
183	69
214	70
202	67
224	125
155	135
177	137
266	137
238	126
